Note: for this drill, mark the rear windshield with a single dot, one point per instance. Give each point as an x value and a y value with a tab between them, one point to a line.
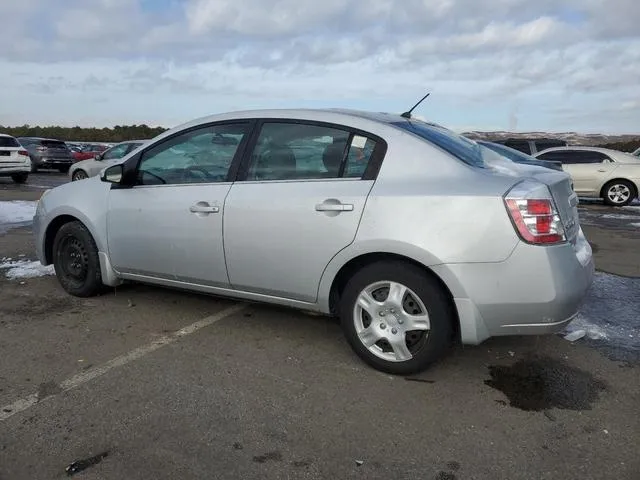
9	142
457	145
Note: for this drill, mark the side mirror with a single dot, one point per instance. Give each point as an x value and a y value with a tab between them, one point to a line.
112	174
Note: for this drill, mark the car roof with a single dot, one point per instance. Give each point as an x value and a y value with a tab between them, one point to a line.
327	114
6	135
607	151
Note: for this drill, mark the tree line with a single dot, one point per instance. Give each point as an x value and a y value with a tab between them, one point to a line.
119	133
630	146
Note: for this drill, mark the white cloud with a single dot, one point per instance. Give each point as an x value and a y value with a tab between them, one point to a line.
564	65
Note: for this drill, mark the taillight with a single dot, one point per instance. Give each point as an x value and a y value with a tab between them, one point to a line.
534	214
23	153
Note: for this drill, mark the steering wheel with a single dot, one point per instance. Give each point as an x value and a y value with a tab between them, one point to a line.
196	168
147	172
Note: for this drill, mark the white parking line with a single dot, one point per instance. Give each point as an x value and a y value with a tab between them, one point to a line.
27	402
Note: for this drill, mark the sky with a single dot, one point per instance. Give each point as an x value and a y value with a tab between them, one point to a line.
518	65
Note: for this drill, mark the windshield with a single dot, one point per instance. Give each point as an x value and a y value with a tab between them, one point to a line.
457	145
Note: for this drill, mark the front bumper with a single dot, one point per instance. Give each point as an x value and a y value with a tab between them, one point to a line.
537	290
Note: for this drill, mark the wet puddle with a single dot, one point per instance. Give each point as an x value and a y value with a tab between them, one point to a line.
542	383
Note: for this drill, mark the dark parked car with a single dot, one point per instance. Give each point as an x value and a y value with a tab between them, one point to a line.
519	157
531	146
47	153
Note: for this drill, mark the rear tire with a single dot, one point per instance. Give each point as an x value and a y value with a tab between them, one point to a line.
380	332
20	177
619	193
76	261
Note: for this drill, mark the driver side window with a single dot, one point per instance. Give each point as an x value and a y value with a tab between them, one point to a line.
202	155
116	152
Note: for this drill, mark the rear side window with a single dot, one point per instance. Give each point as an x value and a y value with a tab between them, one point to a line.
460	147
9	142
570	157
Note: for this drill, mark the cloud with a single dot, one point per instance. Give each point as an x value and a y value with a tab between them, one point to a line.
511	63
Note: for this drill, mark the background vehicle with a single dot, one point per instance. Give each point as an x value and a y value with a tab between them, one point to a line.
47	153
394	225
531	146
611	175
14	159
87	152
519	157
636	152
89	168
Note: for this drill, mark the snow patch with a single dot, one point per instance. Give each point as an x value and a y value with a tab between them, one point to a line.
25	269
637	225
17	211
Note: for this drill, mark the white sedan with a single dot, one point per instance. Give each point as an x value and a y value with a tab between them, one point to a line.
609	174
93	166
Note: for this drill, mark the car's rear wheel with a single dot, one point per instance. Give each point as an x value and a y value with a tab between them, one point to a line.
79	175
76	262
619	193
20	177
396	318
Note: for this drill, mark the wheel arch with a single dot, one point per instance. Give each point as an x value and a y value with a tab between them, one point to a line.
354	264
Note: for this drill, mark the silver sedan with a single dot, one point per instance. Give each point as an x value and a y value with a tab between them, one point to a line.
413	235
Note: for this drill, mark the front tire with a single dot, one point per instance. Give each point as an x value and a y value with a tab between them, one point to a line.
619	193
20	177
76	262
79	175
396	318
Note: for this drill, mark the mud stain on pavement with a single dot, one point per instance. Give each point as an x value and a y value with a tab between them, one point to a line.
542	383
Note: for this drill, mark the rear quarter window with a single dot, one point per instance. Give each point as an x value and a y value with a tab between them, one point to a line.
460	147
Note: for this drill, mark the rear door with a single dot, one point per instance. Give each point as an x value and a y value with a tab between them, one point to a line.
297	203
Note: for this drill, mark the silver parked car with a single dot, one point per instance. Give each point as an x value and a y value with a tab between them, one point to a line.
91	167
413	235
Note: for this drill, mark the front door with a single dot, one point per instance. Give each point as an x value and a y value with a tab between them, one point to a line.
169	225
298	204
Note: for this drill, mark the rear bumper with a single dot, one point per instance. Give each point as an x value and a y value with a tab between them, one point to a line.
537	290
7	170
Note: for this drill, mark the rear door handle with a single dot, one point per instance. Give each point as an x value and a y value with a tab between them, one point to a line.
334	207
198	208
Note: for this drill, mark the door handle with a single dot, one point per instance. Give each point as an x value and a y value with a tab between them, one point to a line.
203	209
334	207
601	170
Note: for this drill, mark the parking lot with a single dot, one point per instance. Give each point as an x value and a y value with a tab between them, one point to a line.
145	382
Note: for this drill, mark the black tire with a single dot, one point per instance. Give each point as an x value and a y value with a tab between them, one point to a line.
20	177
76	262
79	175
431	346
621	184
64	169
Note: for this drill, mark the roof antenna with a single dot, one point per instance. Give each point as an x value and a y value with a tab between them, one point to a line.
408	114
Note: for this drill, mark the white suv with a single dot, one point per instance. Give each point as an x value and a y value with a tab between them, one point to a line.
14	159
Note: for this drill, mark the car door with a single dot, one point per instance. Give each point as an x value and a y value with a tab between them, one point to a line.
169	225
297	203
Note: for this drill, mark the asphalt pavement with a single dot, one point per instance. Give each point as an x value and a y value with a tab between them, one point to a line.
151	383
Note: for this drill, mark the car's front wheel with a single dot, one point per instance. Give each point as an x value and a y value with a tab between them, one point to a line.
20	177
76	262
619	193
397	318
79	175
